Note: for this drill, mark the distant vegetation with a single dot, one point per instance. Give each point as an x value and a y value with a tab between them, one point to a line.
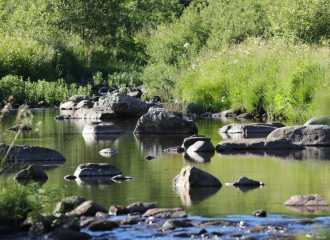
255	56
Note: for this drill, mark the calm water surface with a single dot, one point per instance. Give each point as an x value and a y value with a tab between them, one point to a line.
284	173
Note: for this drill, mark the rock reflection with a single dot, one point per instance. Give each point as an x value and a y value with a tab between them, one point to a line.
155	144
309	209
191	196
93	182
200	157
11	168
92	139
25	182
237	136
309	153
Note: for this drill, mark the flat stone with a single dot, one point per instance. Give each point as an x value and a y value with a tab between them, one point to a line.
244	181
140	207
68	105
310	135
96	170
31	172
166	213
201	146
101	128
306	200
250	128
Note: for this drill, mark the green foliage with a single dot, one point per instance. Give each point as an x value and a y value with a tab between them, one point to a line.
129	78
52	92
20	202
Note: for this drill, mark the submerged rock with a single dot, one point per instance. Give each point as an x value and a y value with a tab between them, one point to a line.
158	121
244	181
195	177
31	172
310	135
187	142
101	128
140	207
306	200
96	170
70	177
250	128
166	213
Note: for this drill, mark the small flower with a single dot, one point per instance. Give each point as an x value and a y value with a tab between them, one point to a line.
186	45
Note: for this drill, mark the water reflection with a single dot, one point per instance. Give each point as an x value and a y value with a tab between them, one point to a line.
199	157
94	182
244	189
92	139
155	144
309	209
237	136
309	153
25	182
191	196
11	168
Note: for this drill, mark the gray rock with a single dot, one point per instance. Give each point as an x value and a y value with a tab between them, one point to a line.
166	213
84	104
118	210
140	207
244	181
201	146
245	115
123	105
78	98
62	233
195	177
68	204
158	121
92	113
250	128
227	113
257	144
67	105
173	224
306	200
31	172
101	128
20	127
88	208
26	153
260	213
323	120
96	170
310	135
187	142
102	225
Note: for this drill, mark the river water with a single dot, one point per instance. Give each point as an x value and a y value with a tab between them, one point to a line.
284	173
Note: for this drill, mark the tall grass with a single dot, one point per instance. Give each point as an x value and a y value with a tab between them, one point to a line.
257	76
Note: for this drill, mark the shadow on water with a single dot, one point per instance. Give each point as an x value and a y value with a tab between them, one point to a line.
309	153
155	144
97	182
198	157
191	196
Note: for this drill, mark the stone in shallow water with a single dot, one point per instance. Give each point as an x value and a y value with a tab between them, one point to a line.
101	128
31	172
88	208
118	210
173	223
306	200
140	207
201	146
244	181
95	170
166	213
260	213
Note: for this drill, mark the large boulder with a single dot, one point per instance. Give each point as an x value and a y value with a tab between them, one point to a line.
92	113
310	135
85	104
306	200
187	142
68	204
31	172
323	120
101	128
88	208
26	153
140	207
256	144
123	105
67	105
78	98
96	170
250	128
158	121
201	146
194	177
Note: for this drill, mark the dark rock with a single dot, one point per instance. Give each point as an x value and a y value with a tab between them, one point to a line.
101	128
118	210
222	148
257	144
6	229
245	115
87	222
31	172
37	229
306	200
68	204
62	233
260	213
323	120
166	213
104	90
149	157
201	146
310	135
123	105
155	99
250	128
88	208
98	86
173	223
131	220
102	225
177	149
227	113
246	181
102	215
29	105
121	177
96	170
84	104
92	113
140	207
43	104
26	153
194	195
159	121
195	177
20	127
70	177
187	142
